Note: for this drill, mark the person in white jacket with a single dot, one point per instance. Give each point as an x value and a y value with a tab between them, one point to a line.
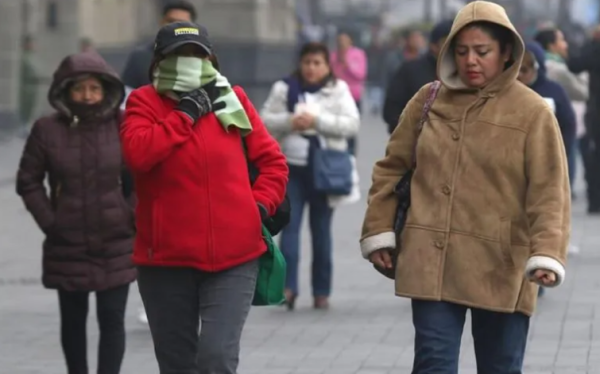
311	102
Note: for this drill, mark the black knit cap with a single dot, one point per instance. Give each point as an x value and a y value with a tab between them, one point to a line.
176	34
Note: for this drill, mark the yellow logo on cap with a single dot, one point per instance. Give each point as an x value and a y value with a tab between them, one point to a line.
186	31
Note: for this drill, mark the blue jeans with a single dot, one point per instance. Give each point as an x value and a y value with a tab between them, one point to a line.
301	192
499	338
572	161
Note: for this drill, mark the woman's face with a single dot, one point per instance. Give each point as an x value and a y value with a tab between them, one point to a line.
528	73
314	68
478	57
87	91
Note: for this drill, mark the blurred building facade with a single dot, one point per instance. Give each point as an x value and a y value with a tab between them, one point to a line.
255	39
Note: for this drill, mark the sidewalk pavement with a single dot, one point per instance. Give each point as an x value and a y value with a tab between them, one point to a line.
367	331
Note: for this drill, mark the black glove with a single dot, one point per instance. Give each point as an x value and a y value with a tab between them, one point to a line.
199	102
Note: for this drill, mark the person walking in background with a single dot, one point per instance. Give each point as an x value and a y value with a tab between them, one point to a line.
29	84
311	103
188	139
412	75
86	45
414	46
87	217
556	50
138	63
349	63
533	74
135	73
489	216
588	61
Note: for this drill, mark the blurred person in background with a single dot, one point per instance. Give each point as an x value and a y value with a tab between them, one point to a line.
86	45
489	215
349	63
198	216
311	102
29	83
556	50
588	60
87	217
415	45
135	73
533	73
412	75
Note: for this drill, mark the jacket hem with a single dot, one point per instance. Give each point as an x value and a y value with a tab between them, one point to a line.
209	268
528	313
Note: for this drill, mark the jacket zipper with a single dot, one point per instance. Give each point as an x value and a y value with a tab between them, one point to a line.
209	210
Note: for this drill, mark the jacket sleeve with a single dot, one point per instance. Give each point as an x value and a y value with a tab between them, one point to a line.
345	121
147	140
378	225
356	64
548	198
264	153
576	88
30	179
396	97
274	113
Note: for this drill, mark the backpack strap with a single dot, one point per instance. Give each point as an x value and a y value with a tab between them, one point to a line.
434	88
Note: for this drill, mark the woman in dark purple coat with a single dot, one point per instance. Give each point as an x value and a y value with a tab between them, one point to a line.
87	215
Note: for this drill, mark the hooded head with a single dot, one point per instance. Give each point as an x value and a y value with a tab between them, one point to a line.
483	51
533	68
77	68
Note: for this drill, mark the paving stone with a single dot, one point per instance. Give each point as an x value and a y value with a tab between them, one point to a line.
367	330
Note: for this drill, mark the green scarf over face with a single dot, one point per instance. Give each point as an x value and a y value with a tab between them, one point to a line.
185	74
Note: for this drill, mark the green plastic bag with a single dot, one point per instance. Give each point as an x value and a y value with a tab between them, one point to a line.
270	283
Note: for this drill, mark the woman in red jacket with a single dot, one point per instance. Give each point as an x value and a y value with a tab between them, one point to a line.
198	217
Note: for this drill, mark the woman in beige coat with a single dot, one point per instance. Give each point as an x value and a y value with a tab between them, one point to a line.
490	207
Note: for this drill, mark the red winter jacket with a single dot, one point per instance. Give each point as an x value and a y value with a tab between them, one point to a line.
196	207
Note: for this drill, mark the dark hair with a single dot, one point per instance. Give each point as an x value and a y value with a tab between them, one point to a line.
501	34
314	48
180	5
546	37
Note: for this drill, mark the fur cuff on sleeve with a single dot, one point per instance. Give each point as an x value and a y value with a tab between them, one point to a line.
545	263
376	242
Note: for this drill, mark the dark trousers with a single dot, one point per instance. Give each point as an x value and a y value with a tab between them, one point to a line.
499	338
301	192
110	309
176	298
590	152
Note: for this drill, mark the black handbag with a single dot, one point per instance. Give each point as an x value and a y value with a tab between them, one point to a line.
402	188
281	218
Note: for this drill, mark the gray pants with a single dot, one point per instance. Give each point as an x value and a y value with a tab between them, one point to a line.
174	298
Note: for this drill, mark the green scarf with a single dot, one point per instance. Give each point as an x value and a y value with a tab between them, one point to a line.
184	74
554	57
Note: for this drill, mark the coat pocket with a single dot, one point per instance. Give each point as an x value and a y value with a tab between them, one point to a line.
505	242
